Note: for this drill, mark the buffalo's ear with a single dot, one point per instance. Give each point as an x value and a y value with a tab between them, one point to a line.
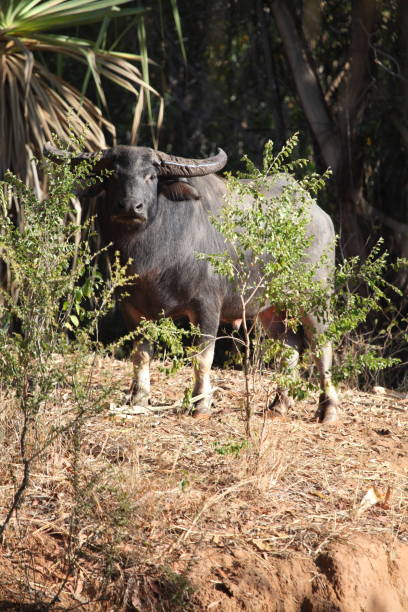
178	190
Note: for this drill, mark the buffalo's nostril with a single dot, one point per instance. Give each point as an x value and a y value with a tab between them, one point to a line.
139	206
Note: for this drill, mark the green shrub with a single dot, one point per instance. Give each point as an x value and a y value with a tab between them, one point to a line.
278	226
47	336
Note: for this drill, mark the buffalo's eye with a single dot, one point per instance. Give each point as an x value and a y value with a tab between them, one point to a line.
149	177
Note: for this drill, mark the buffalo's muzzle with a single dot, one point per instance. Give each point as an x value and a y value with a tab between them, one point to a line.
129	218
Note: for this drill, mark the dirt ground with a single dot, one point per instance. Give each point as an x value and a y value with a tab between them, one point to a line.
182	514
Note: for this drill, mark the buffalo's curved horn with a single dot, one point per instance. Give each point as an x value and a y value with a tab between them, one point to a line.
59	155
170	165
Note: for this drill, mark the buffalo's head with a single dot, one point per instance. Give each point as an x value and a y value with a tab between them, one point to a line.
133	177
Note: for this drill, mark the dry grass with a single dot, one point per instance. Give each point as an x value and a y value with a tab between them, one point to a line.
151	491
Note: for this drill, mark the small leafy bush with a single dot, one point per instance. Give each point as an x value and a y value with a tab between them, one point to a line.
278	226
47	336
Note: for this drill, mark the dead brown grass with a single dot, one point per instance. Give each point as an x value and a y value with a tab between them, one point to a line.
152	491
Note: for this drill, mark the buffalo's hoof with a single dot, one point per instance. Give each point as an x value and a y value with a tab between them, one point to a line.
327	412
280	405
138	399
276	411
201	410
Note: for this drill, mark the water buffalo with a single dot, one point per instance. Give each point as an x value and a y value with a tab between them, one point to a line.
156	212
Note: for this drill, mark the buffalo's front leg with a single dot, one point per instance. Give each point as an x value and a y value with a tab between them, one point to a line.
202	362
328	401
202	390
141	356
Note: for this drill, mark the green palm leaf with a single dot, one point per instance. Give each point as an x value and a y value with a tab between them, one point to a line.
34	102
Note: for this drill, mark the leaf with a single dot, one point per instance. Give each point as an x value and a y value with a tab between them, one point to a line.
74	319
177	23
318	494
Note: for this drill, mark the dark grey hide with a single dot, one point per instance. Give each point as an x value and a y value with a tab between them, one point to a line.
156	212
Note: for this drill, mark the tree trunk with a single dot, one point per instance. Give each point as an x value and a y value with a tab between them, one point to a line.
308	87
336	139
353	102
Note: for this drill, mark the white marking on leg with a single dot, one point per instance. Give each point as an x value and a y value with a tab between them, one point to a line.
328	400
141	355
324	363
202	370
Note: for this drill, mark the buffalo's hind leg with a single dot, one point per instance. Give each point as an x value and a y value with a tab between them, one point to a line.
327	411
275	327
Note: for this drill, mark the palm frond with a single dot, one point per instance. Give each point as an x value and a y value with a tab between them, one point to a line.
32	115
27	17
34	102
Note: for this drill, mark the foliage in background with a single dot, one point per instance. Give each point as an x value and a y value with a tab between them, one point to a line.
363	295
